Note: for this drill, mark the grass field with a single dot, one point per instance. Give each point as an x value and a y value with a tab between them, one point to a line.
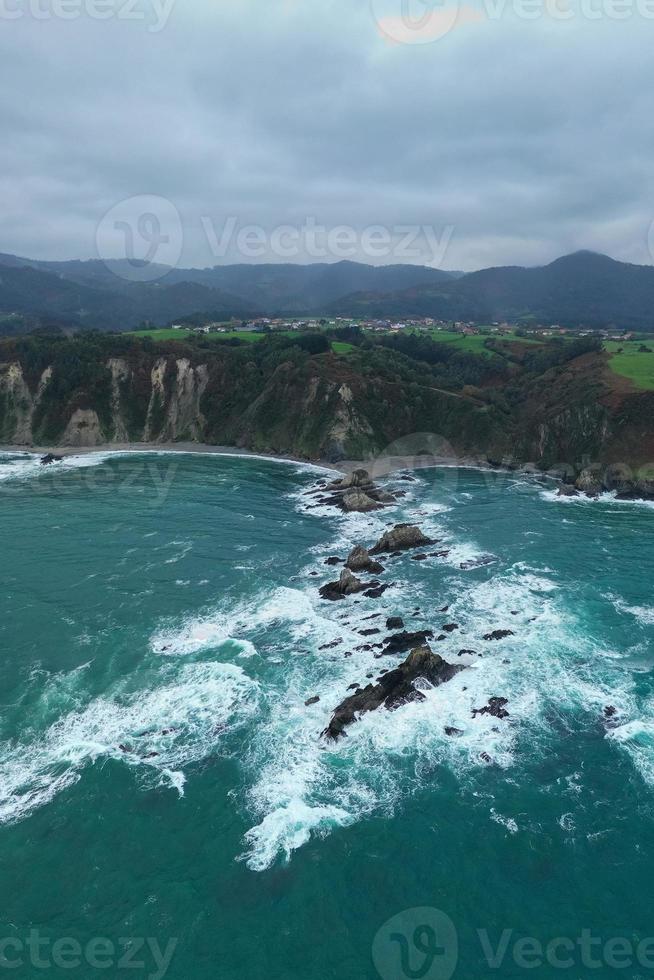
632	363
339	347
181	334
475	345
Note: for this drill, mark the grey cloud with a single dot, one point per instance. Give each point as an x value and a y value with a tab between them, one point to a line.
529	138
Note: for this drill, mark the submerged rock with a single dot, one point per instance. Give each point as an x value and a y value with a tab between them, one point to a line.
393	689
401	538
50	458
395	623
311	701
480	562
499	634
401	642
495	707
377	593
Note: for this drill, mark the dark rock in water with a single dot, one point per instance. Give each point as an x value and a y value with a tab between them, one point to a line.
330	646
168	731
374	616
348	584
450	627
567	491
314	574
590	482
371	632
499	634
376	593
480	562
408	479
610	711
394	689
440	554
401	538
395	623
358	478
358	501
453	732
151	755
444	609
468	653
353	687
334	561
401	642
125	748
50	458
360	561
486	758
495	707
358	493
311	701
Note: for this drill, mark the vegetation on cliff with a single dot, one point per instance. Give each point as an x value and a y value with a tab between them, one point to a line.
547	403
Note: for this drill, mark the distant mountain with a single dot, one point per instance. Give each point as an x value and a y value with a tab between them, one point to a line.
309	288
112	305
99	294
580	289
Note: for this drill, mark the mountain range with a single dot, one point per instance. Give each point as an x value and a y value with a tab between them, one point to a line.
583	289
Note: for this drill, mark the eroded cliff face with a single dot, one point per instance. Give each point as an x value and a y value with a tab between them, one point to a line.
18	403
166	409
314	408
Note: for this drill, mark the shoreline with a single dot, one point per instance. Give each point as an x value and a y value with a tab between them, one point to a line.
379	467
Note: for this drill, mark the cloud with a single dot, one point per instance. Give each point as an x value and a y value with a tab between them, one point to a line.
528	137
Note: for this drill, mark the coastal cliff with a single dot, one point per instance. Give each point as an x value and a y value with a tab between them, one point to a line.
281	399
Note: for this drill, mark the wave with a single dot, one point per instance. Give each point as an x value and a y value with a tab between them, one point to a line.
161	731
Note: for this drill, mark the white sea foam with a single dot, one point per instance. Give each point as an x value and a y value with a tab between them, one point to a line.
194	709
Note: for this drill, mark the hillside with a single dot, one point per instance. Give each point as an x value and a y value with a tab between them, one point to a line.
104	296
584	289
551	404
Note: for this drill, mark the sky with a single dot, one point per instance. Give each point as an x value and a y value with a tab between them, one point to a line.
199	132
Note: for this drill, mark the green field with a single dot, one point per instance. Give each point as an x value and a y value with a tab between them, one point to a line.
338	346
167	334
632	363
476	344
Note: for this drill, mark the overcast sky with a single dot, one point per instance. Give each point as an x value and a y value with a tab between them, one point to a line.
512	140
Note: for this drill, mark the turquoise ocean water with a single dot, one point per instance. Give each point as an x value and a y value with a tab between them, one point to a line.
161	779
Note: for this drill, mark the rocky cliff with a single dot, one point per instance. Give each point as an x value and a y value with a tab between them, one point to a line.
283	400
